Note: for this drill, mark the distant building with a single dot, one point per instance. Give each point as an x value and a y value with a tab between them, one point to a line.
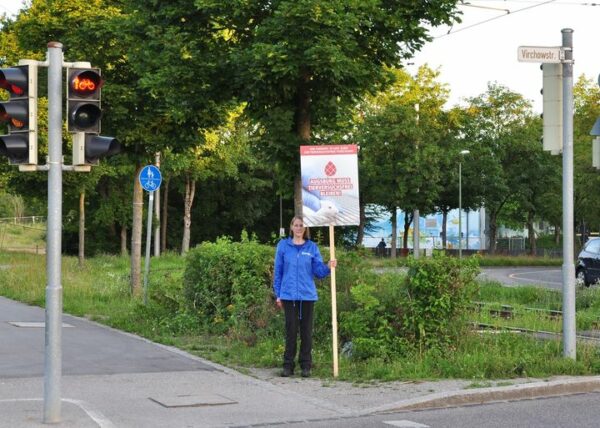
430	229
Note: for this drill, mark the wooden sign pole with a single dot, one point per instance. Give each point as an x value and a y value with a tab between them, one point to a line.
333	302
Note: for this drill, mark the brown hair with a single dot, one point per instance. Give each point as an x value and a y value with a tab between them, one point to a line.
306	234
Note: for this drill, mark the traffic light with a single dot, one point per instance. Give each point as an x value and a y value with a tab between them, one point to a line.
20	113
84	116
89	148
553	107
83	95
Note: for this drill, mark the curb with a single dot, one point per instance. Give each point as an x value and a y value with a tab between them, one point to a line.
494	394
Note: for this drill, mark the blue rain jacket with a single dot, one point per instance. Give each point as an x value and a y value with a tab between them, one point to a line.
295	268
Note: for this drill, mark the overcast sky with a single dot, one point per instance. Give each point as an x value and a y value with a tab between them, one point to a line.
483	47
476	52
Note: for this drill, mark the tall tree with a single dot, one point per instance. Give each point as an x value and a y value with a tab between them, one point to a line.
302	63
586	178
401	138
494	126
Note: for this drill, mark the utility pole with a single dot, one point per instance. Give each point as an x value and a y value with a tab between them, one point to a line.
53	352
416	214
568	268
557	66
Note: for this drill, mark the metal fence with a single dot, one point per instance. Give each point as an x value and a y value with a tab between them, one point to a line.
34	219
513	245
31	222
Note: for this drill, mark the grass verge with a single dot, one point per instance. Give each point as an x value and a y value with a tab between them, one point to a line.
100	291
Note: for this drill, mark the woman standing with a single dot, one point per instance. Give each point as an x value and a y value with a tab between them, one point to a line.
297	262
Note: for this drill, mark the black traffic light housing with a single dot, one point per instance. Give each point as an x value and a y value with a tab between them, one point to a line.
89	148
20	113
84	114
83	100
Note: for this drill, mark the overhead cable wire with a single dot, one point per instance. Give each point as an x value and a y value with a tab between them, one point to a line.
508	12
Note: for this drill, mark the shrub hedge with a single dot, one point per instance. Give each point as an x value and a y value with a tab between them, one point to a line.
228	285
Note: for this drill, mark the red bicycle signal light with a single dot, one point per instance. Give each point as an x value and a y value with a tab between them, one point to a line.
84	83
83	104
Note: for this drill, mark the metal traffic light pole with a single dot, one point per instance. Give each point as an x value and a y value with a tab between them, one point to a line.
568	267
53	353
20	146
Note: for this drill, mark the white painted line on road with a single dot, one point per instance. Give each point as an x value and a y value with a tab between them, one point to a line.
405	424
516	276
96	416
27	324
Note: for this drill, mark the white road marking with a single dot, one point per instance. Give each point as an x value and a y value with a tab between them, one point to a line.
28	324
96	416
405	424
517	276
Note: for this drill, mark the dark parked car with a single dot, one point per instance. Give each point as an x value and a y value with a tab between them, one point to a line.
587	270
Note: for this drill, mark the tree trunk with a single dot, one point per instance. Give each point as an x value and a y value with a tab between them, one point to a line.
531	231
123	240
444	228
190	190
557	234
136	235
394	234
408	218
361	227
492	230
303	130
163	217
81	250
298	195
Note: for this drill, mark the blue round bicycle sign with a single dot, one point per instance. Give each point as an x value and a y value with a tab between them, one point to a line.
150	178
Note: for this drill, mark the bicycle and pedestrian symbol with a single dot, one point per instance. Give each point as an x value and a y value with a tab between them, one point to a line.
150	178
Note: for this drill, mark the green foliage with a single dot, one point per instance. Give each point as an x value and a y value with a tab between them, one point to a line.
228	285
11	205
391	314
100	291
439	289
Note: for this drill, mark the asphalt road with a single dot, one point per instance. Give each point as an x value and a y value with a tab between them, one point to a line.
88	349
580	411
540	276
537	276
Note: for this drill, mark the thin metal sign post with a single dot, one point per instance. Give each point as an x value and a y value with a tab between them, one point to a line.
150	179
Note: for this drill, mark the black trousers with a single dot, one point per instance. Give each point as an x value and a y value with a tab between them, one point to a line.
298	315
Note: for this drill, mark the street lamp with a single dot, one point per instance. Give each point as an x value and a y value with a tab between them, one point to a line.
462	153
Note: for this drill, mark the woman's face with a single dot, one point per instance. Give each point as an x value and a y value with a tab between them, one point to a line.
298	228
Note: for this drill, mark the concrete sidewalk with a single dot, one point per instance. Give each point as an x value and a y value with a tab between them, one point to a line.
193	392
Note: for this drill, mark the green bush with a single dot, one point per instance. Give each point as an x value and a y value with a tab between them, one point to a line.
439	290
229	286
393	314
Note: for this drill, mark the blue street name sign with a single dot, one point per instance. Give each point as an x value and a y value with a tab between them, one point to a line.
150	178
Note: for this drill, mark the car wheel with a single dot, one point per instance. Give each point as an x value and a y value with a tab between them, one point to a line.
580	278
